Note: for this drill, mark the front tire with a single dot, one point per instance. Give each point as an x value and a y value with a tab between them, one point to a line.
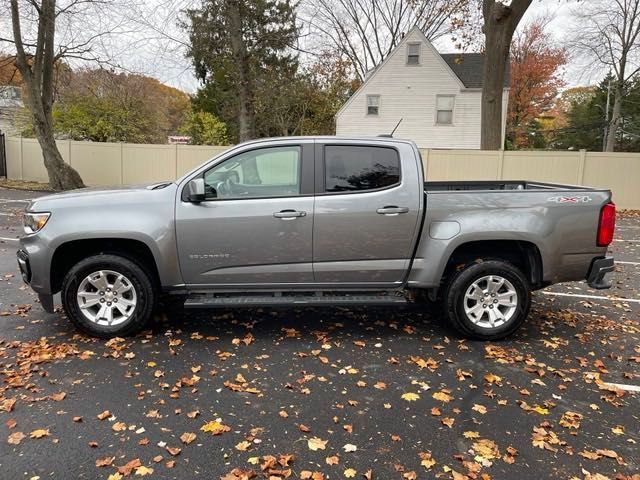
488	300
108	295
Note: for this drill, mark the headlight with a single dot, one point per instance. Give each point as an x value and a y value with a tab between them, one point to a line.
34	222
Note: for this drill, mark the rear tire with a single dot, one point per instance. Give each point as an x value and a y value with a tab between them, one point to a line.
488	300
108	296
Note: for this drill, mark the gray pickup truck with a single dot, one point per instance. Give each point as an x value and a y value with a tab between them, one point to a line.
314	221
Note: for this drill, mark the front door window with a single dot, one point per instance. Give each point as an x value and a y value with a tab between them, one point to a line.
261	173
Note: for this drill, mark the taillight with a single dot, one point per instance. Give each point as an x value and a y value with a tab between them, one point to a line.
607	224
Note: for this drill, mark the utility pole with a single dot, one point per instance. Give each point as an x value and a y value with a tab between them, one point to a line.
606	116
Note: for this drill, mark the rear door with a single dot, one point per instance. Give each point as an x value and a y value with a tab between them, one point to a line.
366	214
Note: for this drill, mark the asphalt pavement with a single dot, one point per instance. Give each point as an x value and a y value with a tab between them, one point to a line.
331	393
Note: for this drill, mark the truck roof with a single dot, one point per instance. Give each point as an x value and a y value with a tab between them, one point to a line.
361	138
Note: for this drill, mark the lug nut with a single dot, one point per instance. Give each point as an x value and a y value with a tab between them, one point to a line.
495	301
490	306
115	300
108	304
101	293
102	300
484	306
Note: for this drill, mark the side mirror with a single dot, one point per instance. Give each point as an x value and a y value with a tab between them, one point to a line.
195	190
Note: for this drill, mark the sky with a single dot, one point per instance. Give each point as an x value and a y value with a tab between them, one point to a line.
150	41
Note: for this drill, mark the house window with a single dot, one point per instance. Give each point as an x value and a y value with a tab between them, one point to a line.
413	54
373	104
444	109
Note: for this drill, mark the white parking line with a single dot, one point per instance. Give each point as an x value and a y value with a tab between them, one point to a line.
628	241
593	297
9	239
12	200
622	386
627	263
7	214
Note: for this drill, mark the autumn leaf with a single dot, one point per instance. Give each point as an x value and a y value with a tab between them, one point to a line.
104	462
442	396
315	443
448	421
39	433
618	429
7	404
410	396
143	471
187	437
350	473
426	460
15	438
486	449
470	434
115	476
174	451
119	426
332	460
215	427
103	415
243	446
479	408
127	468
491	378
349	448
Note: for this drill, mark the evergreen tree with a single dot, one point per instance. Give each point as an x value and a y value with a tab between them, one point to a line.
235	44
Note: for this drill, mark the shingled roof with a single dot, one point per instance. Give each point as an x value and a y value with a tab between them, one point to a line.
469	68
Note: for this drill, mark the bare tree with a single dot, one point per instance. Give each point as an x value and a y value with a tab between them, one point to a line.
608	34
366	31
46	34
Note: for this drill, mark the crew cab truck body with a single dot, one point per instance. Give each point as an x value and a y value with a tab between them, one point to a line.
322	220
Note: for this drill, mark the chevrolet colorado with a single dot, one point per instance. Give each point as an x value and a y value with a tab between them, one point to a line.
314	221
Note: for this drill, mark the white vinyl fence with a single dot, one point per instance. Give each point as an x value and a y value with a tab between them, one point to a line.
124	163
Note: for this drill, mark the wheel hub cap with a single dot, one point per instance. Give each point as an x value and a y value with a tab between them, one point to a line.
107	298
490	301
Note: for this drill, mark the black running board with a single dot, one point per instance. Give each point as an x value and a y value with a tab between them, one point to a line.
207	300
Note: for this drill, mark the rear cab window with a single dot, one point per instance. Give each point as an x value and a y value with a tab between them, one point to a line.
351	168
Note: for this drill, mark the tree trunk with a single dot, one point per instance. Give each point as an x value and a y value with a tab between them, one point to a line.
37	75
246	108
500	22
612	131
61	175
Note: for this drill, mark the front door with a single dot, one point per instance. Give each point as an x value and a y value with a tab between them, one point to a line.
255	226
366	214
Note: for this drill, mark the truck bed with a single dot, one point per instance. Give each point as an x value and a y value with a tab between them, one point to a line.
497	185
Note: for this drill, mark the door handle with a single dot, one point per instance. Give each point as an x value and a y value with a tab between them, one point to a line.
289	214
392	210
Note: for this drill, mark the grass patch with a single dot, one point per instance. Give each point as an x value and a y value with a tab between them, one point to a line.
24	185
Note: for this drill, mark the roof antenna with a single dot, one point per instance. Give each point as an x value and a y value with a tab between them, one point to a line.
397	125
390	135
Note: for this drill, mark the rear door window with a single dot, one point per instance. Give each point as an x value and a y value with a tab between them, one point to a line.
350	168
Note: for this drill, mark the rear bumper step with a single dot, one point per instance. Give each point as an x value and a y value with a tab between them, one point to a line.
599	268
262	300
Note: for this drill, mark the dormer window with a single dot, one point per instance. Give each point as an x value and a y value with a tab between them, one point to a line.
413	54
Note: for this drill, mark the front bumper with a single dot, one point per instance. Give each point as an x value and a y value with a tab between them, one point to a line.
46	300
24	265
599	268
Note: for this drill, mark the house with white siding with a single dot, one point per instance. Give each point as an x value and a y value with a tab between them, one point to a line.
437	96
